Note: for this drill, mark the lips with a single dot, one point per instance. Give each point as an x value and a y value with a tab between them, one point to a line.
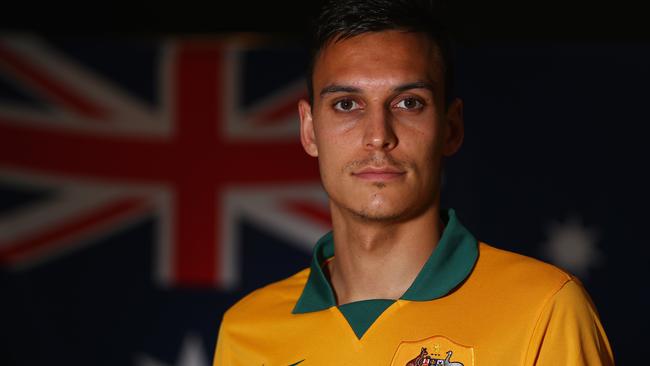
379	174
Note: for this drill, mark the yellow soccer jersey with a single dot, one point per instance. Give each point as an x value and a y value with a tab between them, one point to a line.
471	304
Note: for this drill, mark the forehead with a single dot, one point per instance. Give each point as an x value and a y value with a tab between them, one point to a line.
387	56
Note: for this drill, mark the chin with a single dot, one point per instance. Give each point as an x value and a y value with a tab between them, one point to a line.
380	216
390	203
382	213
392	207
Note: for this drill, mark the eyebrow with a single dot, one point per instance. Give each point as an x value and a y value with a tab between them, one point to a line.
337	88
416	85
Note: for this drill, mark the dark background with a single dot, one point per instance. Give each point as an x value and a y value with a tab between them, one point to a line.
469	20
556	99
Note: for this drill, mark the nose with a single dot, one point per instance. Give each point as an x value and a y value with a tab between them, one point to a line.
379	133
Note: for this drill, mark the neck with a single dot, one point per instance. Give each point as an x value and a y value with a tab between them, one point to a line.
379	260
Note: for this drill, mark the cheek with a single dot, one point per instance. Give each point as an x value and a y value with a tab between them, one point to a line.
430	142
335	141
421	149
331	156
419	142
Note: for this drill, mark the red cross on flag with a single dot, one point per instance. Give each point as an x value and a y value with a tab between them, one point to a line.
196	161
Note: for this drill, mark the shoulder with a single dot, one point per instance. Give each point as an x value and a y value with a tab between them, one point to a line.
569	331
269	301
515	271
565	326
259	312
509	263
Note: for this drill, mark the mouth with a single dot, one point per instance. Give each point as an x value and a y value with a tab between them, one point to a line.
379	174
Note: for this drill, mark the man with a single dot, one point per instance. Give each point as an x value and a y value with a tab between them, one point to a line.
399	281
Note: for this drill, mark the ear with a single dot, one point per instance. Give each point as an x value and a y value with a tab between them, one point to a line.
455	128
307	135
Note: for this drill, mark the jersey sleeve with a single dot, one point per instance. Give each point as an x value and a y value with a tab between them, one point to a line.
222	355
569	331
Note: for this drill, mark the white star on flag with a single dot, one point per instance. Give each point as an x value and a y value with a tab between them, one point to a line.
192	353
572	246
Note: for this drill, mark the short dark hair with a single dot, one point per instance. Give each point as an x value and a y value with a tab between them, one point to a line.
343	19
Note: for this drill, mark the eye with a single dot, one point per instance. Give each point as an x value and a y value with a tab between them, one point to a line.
409	103
346	105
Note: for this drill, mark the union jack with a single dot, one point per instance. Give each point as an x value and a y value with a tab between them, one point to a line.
198	159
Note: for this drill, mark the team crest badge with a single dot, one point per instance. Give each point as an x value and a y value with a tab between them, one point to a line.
433	351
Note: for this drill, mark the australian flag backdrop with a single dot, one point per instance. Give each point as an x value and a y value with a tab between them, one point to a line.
148	184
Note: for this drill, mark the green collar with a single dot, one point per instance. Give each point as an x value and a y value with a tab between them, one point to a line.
449	265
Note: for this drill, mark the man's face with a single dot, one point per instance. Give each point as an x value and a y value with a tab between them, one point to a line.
378	124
